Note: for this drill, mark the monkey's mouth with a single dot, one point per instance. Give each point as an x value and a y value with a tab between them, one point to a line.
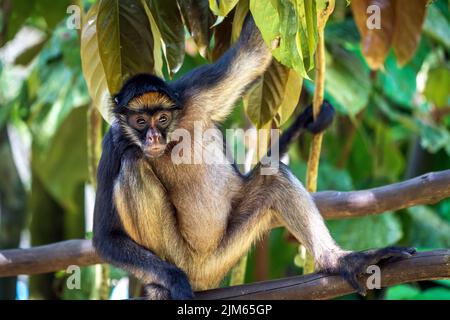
154	151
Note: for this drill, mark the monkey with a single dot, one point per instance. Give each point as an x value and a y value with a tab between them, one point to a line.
180	227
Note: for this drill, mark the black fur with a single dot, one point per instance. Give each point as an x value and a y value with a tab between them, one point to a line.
305	121
140	84
111	242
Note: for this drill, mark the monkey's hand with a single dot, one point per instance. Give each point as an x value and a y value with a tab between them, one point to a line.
176	287
352	266
323	121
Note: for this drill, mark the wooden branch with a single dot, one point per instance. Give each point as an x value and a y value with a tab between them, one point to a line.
429	265
429	188
422	266
48	258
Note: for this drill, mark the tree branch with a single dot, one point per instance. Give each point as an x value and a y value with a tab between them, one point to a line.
429	188
49	258
429	265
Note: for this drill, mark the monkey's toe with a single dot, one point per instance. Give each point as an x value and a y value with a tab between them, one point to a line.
354	266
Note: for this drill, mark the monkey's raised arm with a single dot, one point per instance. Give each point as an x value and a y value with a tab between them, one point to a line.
213	89
116	247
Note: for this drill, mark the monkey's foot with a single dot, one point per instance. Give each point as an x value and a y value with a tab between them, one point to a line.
353	266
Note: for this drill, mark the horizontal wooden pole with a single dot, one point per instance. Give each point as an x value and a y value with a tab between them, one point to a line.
48	258
429	188
429	265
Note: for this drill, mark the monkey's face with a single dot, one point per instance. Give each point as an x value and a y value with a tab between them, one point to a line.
152	129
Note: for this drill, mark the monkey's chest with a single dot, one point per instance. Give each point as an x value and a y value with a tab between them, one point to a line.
144	209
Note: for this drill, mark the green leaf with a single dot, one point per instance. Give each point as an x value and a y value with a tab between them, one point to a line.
366	232
239	18
168	19
402	292
62	167
198	19
276	93
399	84
427	229
388	158
437	88
92	65
52	11
222	7
19	12
347	81
125	42
434	138
437	26
293	23
408	292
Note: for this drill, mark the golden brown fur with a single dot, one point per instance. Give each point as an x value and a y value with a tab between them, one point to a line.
149	100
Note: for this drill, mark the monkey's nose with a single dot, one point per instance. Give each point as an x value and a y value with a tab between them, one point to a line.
153	136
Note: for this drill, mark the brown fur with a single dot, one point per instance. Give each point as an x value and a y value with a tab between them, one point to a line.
202	217
149	100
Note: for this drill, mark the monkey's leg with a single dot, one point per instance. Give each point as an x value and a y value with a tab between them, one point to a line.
268	198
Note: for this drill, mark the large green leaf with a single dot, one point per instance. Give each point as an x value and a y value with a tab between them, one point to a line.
437	26
21	12
399	84
437	88
125	41
366	232
168	18
52	11
16	16
239	18
62	168
92	65
54	87
347	81
119	39
277	92
427	229
409	292
293	24
198	19
222	7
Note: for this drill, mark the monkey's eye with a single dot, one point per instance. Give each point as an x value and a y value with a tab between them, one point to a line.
141	121
163	119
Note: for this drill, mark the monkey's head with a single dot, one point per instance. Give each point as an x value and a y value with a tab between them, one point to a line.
147	111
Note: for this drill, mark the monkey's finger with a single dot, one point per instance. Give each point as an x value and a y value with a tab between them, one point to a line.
395	252
352	279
